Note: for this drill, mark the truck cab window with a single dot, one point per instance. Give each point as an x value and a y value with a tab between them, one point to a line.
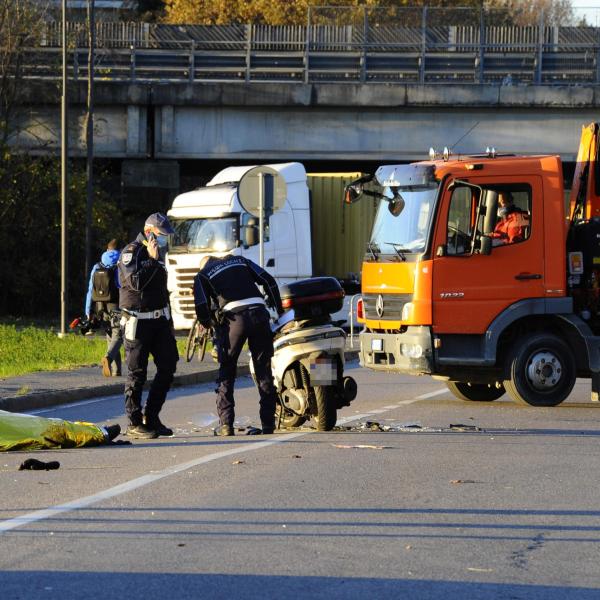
204	235
461	217
513	218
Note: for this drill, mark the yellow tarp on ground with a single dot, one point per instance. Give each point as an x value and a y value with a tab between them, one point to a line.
28	432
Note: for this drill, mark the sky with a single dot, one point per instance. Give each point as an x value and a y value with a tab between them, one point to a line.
589	8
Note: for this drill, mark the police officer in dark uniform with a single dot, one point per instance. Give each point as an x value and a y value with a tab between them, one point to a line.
230	283
148	329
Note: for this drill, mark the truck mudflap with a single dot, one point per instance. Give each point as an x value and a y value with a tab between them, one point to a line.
409	352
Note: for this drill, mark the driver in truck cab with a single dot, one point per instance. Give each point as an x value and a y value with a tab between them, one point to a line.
512	222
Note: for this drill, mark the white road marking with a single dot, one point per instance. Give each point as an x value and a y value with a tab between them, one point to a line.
133	484
432	394
139	482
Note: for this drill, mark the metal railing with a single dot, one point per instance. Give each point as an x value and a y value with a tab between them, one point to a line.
484	63
403	51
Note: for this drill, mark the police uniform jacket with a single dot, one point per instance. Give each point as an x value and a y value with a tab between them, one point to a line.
227	280
143	279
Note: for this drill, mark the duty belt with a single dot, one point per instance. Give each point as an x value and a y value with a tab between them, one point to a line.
151	314
246	303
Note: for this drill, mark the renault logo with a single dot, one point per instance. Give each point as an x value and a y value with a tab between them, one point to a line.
379	306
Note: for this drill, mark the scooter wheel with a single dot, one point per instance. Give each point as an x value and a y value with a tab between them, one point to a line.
326	407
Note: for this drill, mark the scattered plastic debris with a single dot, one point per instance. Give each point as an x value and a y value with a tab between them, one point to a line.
462	427
238	462
458	481
480	570
242	422
32	464
205	419
387	425
296	456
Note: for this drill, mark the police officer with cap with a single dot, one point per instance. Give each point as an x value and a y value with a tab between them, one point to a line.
144	301
230	283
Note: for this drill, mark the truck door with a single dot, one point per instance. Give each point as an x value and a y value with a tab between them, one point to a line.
283	233
470	288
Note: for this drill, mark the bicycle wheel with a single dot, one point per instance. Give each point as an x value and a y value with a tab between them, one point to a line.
193	341
203	343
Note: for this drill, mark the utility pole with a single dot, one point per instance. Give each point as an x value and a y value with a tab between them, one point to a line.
89	138
64	183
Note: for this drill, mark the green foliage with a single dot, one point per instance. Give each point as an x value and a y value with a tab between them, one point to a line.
27	348
30	230
288	12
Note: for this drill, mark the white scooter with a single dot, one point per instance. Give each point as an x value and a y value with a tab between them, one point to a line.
308	364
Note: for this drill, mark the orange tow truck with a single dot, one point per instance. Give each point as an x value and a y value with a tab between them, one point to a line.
445	293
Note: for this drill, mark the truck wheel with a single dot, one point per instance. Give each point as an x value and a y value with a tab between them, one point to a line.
286	419
541	370
476	392
326	407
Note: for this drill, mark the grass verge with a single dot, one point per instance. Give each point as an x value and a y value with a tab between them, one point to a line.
30	348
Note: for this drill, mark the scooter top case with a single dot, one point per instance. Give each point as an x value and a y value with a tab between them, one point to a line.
313	297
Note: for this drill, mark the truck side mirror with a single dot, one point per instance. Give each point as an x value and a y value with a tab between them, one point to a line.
249	235
352	193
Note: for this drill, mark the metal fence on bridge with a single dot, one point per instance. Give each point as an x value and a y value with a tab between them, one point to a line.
410	46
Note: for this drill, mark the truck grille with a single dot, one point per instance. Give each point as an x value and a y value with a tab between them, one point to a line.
392	306
185	283
185	277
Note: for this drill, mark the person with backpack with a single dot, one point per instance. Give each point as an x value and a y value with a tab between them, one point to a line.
102	301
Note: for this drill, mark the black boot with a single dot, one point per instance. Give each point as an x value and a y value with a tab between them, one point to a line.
158	426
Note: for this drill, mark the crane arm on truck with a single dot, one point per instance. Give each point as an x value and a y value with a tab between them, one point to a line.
584	200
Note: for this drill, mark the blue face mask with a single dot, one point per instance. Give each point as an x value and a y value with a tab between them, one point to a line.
503	212
162	240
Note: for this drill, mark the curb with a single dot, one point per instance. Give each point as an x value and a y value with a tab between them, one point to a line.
47	399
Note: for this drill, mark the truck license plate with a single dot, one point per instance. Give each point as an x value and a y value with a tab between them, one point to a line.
377	345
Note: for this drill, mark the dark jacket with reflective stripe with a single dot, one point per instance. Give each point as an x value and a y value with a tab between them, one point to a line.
231	278
143	280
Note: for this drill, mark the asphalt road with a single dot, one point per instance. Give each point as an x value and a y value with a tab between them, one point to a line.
503	506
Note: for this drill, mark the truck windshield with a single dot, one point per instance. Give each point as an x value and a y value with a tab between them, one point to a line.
398	230
202	235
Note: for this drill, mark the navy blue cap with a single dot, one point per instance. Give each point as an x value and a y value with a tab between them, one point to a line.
161	222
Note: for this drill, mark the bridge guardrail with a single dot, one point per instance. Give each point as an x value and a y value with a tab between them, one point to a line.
355	64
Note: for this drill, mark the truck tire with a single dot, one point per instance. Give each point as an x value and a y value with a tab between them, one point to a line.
326	407
475	392
541	369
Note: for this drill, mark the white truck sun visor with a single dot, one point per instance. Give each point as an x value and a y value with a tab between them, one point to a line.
413	176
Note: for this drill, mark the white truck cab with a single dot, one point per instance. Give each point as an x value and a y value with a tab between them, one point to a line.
210	220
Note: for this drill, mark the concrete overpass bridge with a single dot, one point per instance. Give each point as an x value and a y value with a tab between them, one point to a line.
306	122
315	121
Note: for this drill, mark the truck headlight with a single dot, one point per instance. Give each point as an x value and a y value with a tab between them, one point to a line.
407	311
411	350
